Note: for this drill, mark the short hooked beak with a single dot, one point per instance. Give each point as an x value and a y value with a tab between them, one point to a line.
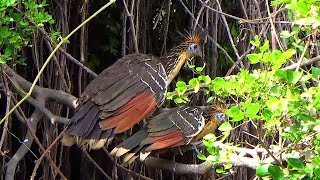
199	53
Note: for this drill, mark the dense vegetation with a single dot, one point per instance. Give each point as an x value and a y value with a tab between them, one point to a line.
261	58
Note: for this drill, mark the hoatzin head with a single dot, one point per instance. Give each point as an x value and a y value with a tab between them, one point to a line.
192	47
124	94
176	127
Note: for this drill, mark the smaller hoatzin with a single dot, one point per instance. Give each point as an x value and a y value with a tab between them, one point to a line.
175	127
125	93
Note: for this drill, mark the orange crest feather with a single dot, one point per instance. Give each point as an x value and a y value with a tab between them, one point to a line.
194	39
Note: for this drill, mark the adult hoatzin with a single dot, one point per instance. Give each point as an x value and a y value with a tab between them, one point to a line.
176	127
125	93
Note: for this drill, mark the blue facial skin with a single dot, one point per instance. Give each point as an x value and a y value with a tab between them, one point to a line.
220	116
195	49
192	47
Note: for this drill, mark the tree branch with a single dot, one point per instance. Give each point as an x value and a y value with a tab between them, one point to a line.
304	63
51	94
237	158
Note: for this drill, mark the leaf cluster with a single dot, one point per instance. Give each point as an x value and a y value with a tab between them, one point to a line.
17	26
284	103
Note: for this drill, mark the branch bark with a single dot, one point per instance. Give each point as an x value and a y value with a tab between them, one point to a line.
41	96
50	94
237	158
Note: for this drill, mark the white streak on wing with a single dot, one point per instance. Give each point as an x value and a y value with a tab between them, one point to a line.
160	72
157	82
147	85
201	121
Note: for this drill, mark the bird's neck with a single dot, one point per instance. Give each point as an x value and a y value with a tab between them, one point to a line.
173	62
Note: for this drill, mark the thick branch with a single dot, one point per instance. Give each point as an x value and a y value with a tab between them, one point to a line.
304	63
24	148
55	95
236	159
53	118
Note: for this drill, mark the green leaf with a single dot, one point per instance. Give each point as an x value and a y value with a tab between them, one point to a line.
296	163
200	69
227	166
202	157
179	100
289	53
208	143
252	110
64	40
306	78
315	72
190	65
281	74
266	114
4	32
309	168
218	82
195	83
206	79
7	2
181	87
210	136
233	111
254	58
285	34
278	2
276	172
210	99
265	46
212	159
226	126
262	170
238	117
211	150
2	60
293	76
256	41
225	135
235	114
220	171
181	84
169	95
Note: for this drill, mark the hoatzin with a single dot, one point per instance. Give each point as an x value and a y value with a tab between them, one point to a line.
176	127
125	93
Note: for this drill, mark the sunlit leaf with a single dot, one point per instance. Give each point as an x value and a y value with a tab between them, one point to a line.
202	157
262	170
276	172
296	163
226	126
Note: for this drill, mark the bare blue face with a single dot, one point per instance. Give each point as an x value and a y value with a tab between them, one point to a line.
220	116
195	49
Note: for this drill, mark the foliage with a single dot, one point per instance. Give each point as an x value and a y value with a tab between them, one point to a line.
285	102
18	25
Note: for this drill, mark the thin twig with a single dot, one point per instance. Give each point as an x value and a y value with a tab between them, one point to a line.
96	165
229	33
134	35
123	168
45	153
5	126
83	44
273	28
302	55
209	37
